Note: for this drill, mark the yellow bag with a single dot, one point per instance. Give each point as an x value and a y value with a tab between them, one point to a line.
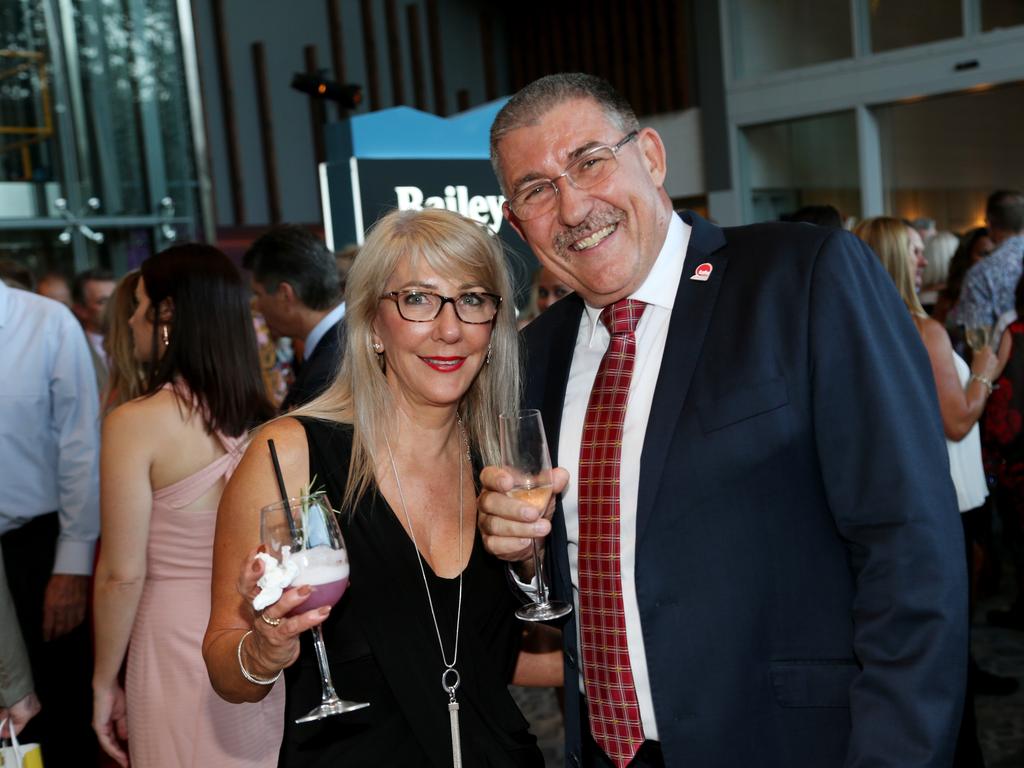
20	755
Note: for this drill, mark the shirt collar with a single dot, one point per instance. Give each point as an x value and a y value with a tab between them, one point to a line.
4	302
659	288
321	328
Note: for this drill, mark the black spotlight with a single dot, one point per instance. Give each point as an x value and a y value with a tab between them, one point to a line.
349	95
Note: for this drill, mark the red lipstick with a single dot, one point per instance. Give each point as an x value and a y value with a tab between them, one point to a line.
444	364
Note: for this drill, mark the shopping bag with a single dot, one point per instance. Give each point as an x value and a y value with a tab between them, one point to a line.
19	755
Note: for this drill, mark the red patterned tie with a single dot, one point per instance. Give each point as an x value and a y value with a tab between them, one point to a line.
608	677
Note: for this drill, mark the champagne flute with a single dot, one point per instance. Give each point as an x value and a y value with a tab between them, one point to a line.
978	336
524	452
305	531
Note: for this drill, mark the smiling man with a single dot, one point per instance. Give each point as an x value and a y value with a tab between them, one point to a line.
755	523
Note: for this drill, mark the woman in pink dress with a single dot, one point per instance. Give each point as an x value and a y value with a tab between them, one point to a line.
166	457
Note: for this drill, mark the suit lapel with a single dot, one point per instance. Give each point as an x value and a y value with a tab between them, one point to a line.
691	314
559	362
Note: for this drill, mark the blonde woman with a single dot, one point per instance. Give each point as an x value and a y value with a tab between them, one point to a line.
397	441
125	377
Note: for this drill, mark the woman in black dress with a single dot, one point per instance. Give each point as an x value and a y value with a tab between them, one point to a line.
396	442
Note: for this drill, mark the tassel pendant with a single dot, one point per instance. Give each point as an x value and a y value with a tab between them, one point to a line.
450	682
453	713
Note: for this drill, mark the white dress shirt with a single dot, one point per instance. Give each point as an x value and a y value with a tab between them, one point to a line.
658	291
49	425
326	323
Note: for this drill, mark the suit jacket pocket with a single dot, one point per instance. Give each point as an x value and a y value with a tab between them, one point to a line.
813	683
742	404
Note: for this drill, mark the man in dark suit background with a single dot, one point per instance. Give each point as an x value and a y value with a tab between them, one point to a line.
296	288
787	589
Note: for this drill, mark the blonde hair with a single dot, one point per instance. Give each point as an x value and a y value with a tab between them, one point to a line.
888	238
125	376
455	248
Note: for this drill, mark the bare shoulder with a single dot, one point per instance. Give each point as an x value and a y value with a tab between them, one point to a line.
933	333
288	434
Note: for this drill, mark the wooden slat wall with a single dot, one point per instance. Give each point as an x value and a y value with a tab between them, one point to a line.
337	48
641	48
259	64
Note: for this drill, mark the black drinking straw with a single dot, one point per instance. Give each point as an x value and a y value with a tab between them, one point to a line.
284	493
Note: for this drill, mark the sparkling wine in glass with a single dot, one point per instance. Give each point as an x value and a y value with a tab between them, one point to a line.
524	452
305	531
978	337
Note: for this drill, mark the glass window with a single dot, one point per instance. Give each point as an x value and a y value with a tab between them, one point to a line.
29	161
942	157
95	130
132	80
810	161
899	23
996	14
772	35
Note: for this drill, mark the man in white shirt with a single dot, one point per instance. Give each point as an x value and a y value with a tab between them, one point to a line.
49	508
90	292
773	560
296	289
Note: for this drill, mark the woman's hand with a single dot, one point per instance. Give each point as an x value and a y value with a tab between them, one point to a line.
274	642
989	363
110	722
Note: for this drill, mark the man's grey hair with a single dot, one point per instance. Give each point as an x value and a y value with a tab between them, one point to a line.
538	98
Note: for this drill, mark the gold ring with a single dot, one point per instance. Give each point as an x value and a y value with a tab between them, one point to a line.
270	621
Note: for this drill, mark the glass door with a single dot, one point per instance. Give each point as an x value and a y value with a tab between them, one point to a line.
97	162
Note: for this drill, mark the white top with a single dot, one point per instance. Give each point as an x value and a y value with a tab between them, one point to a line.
49	425
659	292
326	323
965	457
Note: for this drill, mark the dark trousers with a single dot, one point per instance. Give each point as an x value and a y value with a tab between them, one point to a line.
968	750
61	668
648	756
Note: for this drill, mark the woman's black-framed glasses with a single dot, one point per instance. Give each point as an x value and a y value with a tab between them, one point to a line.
424	306
538	196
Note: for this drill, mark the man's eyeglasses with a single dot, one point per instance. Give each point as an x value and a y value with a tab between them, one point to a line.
539	196
424	306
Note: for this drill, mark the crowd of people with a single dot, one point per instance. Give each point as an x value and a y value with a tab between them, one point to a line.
770	503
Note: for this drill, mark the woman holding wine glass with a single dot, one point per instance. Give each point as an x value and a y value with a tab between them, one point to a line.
425	633
165	460
963	392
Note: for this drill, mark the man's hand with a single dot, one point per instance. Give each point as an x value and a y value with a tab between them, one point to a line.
64	604
19	714
509	526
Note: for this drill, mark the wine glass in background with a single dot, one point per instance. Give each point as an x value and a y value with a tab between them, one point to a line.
305	531
524	453
978	336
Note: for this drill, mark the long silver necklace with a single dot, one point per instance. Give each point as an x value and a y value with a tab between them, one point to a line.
450	677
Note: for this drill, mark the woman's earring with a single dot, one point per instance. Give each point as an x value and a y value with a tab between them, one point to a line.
378	347
165	335
487	360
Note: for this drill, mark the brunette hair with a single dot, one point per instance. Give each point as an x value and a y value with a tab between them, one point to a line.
211	343
889	239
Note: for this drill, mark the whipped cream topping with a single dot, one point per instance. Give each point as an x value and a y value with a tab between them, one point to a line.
277	576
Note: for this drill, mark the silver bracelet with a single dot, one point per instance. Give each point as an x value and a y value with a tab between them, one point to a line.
984	380
246	674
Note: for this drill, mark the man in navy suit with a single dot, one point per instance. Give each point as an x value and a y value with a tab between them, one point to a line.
296	285
788	579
